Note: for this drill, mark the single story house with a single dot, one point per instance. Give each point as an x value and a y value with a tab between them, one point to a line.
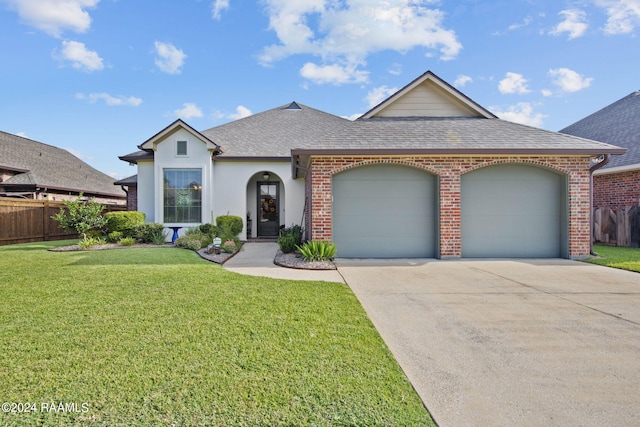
426	173
617	184
33	170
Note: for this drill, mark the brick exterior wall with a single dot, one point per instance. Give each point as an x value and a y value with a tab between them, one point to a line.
449	171
132	198
616	190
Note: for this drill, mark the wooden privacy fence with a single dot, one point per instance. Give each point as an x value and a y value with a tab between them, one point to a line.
23	221
619	227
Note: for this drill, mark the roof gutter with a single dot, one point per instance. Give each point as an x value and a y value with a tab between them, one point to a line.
450	151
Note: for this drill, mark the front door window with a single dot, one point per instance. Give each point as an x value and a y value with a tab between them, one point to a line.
268	209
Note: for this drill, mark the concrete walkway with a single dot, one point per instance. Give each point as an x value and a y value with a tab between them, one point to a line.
256	259
508	342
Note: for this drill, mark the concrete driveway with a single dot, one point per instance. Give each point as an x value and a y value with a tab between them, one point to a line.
510	342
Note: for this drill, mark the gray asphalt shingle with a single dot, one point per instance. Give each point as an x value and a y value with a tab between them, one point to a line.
617	124
51	167
273	133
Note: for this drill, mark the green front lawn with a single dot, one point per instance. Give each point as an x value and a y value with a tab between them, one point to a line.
161	337
611	256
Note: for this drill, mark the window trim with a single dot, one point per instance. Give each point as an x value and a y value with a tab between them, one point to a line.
178	146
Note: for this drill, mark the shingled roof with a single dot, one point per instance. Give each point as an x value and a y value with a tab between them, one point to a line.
618	124
272	133
454	136
45	166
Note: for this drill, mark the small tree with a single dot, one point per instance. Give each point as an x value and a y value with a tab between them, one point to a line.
80	216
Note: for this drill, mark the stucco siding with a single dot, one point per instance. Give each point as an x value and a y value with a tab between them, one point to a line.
235	188
146	190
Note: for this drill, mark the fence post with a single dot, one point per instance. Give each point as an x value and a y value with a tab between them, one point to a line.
45	221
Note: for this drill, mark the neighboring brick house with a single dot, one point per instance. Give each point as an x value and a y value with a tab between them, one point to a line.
426	173
33	170
617	184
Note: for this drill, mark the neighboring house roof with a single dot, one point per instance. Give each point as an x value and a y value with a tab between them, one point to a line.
47	167
618	124
272	133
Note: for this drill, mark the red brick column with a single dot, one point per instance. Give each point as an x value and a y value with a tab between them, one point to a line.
450	222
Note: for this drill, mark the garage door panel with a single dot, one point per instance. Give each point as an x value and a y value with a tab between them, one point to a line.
384	211
512	211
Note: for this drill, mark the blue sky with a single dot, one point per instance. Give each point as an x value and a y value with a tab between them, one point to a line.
99	77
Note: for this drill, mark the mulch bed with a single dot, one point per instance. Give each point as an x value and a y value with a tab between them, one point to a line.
294	260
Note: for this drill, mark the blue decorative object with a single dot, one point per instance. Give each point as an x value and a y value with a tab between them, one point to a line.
175	234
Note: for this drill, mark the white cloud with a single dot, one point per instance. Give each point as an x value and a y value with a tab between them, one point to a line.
520	113
346	32
462	80
335	74
513	83
379	94
54	16
522	24
241	113
547	92
111	101
80	57
217	8
574	24
188	111
170	58
623	15
568	80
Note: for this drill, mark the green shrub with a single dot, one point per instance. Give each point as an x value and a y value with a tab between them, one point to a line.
80	216
124	222
288	243
290	238
229	224
95	234
190	241
114	236
229	246
317	250
150	232
209	229
159	238
89	242
127	241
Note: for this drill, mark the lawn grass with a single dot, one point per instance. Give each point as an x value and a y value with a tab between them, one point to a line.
160	337
612	256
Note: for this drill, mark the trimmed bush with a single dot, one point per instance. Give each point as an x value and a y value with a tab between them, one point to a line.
124	222
287	243
229	224
290	238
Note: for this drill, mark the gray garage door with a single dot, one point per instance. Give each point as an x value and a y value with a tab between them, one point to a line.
384	211
514	211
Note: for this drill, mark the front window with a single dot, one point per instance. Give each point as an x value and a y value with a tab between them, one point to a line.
183	195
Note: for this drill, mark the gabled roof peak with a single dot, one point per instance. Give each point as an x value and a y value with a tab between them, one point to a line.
428	96
293	106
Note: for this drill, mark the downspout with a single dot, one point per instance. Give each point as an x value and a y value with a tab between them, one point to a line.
592	169
306	213
127	193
